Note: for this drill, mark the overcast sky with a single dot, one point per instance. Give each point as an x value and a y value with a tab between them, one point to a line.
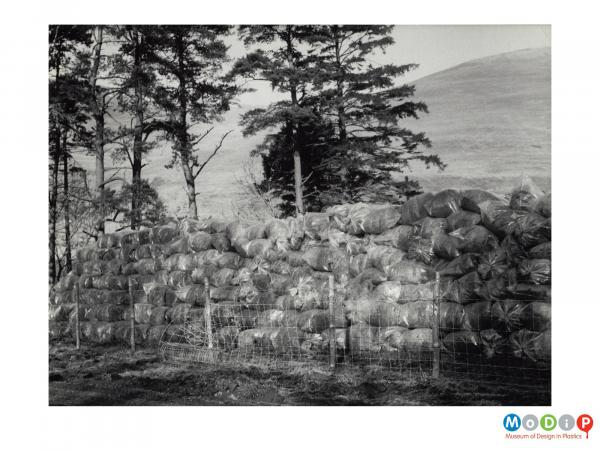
433	47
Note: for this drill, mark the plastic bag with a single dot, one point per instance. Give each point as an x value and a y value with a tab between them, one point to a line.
364	338
414	209
471	198
409	272
380	219
404	293
536	271
222	277
478	316
526	195
533	345
403	339
464	290
421	250
178	279
475	239
315	224
143	312
357	264
220	242
428	227
398	237
444	203
532	229
200	241
462	343
313	321
178	314
163	234
532	292
459	266
462	219
446	246
541	251
254	248
539	316
544	206
382	257
509	315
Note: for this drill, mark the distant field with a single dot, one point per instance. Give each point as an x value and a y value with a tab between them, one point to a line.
489	121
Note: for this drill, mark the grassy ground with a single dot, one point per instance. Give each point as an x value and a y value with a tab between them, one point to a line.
98	375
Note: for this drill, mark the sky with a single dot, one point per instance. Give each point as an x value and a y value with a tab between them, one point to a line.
433	47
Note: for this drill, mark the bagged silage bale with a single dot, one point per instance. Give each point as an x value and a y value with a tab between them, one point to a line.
163	234
462	219
315	224
66	283
428	227
200	273
224	293
253	338
115	297
340	338
382	257
414	209
446	246
220	242
472	198
533	345
222	277
398	237
147	251
180	246
539	316
178	279
462	290
535	271
58	330
461	343
109	254
127	254
493	263
186	262
419	314
64	297
155	334
227	337
498	217
379	219
499	287
421	250
111	282
541	251
526	195
147	266
478	316
374	312
544	206
229	260
278	230
193	294
475	239
91	296
314	321
273	318
88	253
357	264
409	272
178	313
364	338
236	231
254	248
135	238
260	300
143	312
369	275
509	314
531	229
105	312
200	241
459	266
444	203
158	315
405	293
403	339
322	258
109	240
60	313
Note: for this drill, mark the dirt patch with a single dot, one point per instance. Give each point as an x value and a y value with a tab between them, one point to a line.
97	375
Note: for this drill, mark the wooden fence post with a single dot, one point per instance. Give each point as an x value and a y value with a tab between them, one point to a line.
332	330
77	326
207	314
436	327
132	312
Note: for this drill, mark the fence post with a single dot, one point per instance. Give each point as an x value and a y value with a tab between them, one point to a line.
436	327
207	314
132	313
77	326
332	330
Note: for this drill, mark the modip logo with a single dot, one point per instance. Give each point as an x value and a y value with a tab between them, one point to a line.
547	423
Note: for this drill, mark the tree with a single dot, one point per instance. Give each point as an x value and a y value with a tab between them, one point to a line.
65	115
366	106
191	91
286	67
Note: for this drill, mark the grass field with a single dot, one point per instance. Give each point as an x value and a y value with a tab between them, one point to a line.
98	375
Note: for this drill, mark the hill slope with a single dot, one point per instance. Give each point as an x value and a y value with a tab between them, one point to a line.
489	120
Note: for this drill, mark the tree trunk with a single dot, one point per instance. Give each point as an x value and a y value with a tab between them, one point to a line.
298	191
136	176
97	108
341	110
53	206
182	134
65	156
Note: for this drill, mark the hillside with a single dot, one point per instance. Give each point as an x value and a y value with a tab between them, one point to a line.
489	121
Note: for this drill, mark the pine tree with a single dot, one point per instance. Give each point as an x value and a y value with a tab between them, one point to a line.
367	106
191	91
284	64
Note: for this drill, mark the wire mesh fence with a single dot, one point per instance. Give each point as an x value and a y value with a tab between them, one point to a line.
503	341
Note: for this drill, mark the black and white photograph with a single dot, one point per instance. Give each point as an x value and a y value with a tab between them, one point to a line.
299	215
